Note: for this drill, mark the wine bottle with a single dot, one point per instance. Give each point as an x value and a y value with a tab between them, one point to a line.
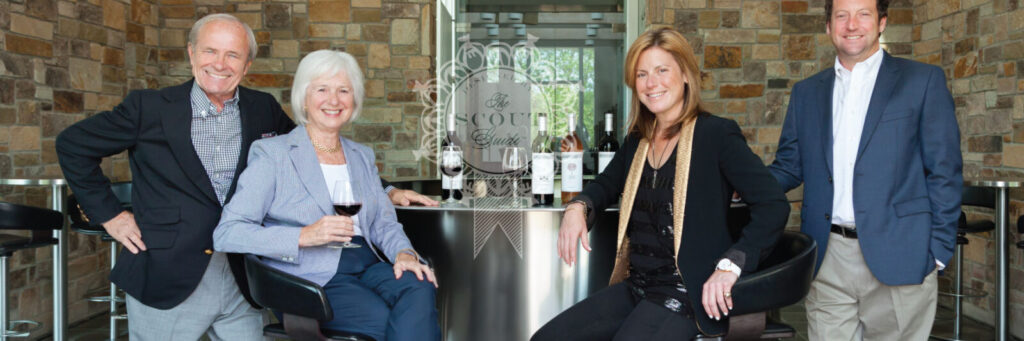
572	162
606	149
451	177
543	164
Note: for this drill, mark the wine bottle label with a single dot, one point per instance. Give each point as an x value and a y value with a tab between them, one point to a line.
457	182
572	171
451	182
603	158
543	173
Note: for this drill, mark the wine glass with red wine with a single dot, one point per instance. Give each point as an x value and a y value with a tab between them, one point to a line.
451	163
345	204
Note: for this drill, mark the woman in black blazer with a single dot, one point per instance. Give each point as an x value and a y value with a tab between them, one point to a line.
675	268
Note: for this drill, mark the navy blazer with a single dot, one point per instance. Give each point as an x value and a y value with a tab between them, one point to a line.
173	199
907	176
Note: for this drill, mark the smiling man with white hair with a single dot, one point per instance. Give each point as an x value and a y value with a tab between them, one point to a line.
187	144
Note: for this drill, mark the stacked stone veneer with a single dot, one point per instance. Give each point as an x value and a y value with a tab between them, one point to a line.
752	52
62	61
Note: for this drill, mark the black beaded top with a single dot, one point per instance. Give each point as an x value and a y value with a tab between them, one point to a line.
652	268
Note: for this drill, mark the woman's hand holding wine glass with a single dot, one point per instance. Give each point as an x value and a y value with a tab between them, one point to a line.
346	206
329	229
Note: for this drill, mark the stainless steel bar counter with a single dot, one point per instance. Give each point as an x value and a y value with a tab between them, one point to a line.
497	265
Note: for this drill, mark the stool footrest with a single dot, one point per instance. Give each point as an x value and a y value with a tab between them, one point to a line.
105	299
11	333
967	293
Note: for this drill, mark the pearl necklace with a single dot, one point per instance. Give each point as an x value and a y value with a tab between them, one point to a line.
323	148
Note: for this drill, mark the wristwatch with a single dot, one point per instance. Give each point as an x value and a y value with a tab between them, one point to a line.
727	265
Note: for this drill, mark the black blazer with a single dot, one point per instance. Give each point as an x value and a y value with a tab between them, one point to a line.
173	199
720	163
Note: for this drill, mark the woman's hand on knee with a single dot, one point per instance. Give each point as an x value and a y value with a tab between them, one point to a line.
717	295
407	262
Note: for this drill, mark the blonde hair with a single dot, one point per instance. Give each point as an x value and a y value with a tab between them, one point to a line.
642	120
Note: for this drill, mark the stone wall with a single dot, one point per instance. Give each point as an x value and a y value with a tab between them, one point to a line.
62	61
753	51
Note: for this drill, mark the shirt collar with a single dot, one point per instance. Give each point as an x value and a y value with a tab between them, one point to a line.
202	106
868	64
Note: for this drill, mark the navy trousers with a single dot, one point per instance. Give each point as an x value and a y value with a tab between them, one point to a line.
367	299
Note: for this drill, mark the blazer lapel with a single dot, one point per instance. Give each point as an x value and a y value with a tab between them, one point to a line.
888	74
825	101
356	173
249	121
177	125
308	167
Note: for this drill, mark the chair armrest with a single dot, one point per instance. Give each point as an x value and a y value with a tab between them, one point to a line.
781	284
284	292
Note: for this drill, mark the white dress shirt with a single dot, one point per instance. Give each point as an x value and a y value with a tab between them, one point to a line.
850	98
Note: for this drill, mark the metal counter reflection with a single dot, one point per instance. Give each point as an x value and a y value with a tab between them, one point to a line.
503	293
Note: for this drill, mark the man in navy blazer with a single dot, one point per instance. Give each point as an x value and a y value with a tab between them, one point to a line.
185	143
875	142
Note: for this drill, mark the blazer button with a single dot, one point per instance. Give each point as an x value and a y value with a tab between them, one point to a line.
208	251
828	216
829	179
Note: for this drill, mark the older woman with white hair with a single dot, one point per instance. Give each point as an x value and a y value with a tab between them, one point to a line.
288	214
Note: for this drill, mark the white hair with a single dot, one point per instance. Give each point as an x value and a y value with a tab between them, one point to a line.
193	35
325	63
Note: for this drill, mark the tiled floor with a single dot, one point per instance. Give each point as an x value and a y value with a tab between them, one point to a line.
95	329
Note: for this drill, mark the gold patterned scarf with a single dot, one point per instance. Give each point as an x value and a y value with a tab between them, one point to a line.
684	147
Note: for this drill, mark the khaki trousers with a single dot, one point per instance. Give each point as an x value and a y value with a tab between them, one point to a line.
846	302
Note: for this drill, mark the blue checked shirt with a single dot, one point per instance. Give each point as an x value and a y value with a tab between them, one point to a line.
217	138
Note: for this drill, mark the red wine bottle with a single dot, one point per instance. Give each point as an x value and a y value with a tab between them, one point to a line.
608	146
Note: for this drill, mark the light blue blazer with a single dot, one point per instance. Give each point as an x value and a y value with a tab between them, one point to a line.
283	190
907	176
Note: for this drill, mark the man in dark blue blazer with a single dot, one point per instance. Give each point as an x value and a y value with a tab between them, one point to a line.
875	142
185	143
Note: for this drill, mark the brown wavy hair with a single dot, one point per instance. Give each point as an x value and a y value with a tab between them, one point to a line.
642	120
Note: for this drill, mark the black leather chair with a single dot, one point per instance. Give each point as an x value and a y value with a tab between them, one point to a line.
302	303
40	222
782	278
80	223
977	197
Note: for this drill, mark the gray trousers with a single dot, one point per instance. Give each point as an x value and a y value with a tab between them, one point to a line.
216	308
847	302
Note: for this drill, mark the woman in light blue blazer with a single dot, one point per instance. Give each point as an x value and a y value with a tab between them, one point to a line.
283	211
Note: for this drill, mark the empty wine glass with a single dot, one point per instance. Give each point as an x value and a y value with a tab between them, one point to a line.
451	164
345	204
513	162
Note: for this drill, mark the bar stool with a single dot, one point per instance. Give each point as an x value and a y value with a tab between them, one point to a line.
977	197
81	224
41	222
